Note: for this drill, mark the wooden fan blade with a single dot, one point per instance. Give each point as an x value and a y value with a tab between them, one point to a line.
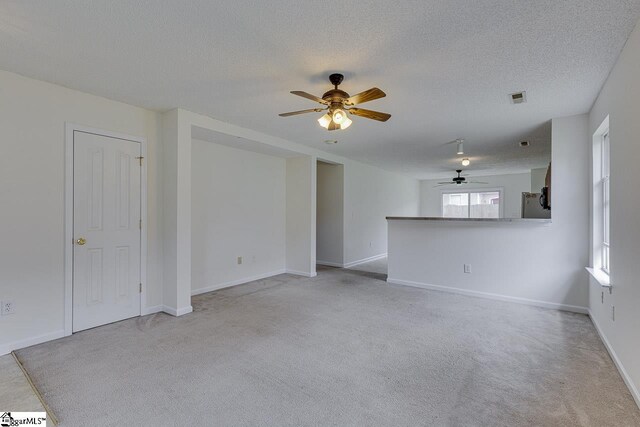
446	183
309	96
476	182
369	114
294	113
366	96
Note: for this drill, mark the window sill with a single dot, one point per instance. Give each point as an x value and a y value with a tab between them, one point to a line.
600	277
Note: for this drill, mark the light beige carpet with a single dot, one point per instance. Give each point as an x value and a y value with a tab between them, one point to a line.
16	393
344	348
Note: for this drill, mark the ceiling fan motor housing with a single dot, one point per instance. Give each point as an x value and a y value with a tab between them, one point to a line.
335	97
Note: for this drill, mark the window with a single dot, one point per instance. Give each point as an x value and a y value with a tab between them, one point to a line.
455	205
604	209
472	204
601	198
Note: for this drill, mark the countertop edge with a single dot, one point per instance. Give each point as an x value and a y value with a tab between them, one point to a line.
427	218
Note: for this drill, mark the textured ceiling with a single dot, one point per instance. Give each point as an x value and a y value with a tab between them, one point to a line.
447	66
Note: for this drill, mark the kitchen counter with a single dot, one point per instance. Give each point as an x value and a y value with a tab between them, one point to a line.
509	259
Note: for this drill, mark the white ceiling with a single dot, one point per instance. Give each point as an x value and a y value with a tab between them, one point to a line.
447	66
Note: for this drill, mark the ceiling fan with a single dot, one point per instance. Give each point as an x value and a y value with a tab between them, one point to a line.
458	180
336	101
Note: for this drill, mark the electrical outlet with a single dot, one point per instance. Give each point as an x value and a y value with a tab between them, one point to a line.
239	260
8	307
467	268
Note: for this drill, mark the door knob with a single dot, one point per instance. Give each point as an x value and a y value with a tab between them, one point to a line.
81	241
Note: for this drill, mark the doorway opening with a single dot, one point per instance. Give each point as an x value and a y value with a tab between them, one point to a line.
330	214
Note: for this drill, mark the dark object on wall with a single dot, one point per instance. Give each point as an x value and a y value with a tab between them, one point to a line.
545	197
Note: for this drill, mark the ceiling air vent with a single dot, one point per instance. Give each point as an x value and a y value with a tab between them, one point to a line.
524	143
518	97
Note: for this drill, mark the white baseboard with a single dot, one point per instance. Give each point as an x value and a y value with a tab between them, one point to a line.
623	373
330	263
499	297
17	345
301	273
177	312
152	310
362	261
352	263
236	282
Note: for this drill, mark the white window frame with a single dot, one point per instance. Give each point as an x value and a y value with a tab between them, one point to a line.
605	181
601	204
468	191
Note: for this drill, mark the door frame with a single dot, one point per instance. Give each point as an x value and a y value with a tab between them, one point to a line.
70	129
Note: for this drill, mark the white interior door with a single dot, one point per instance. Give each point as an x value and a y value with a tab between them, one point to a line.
106	230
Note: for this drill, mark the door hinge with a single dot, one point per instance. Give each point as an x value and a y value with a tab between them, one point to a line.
140	287
140	159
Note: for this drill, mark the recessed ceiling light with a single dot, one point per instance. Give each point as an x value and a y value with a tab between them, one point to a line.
518	97
330	141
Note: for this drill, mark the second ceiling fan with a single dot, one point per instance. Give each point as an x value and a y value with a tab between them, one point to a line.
458	180
339	104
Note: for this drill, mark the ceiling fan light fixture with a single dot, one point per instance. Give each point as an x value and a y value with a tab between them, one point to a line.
466	162
338	116
345	123
325	121
336	102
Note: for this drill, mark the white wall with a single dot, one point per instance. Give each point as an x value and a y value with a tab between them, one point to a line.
371	195
543	264
32	165
301	215
330	214
619	99
176	210
513	185
538	177
238	209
